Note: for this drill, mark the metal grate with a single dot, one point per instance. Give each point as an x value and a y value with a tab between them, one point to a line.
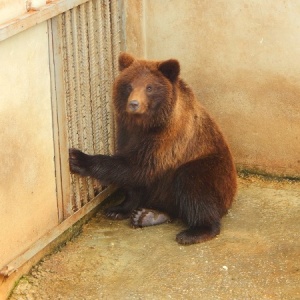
89	46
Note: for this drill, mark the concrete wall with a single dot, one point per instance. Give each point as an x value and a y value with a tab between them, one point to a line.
242	60
27	178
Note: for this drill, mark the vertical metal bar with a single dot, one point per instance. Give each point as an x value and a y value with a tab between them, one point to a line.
80	114
60	131
115	34
55	122
83	82
93	184
85	94
101	39
116	44
69	75
94	84
109	74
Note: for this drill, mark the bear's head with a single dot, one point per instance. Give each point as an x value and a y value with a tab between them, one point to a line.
145	91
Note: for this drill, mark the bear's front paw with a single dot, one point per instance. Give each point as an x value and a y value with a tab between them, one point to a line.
78	162
117	213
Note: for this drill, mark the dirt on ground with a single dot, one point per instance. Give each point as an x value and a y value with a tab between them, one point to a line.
256	256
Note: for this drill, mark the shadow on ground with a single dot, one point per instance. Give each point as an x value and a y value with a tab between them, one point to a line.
256	256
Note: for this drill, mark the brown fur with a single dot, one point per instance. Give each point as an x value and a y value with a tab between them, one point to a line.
171	155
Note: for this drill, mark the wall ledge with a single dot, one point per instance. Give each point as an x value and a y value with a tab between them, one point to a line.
34	17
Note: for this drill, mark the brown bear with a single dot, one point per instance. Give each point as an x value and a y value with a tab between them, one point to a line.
171	158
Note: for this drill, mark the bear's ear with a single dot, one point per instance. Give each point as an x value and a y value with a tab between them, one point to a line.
170	68
125	60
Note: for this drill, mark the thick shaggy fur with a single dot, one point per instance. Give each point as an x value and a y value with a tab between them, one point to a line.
171	157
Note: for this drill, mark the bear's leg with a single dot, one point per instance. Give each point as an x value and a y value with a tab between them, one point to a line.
125	208
148	217
199	199
198	234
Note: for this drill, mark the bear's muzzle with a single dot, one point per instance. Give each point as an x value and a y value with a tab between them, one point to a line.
133	106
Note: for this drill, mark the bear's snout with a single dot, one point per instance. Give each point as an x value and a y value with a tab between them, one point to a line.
133	106
136	107
137	102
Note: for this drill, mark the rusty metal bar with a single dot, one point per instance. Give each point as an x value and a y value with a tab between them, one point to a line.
94	84
115	34
101	99
69	77
85	96
110	77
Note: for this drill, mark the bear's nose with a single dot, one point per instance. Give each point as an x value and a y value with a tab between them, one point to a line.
133	105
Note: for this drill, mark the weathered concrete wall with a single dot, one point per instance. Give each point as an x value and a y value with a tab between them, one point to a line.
27	178
133	37
242	60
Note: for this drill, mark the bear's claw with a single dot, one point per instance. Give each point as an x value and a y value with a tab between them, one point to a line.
116	213
77	161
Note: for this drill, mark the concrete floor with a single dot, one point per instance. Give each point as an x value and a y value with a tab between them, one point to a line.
257	256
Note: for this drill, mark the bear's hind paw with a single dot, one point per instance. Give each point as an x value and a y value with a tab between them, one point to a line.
148	217
198	234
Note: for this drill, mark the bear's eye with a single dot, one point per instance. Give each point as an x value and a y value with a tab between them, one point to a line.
129	88
149	88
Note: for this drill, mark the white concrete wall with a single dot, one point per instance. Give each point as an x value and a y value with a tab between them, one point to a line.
27	178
